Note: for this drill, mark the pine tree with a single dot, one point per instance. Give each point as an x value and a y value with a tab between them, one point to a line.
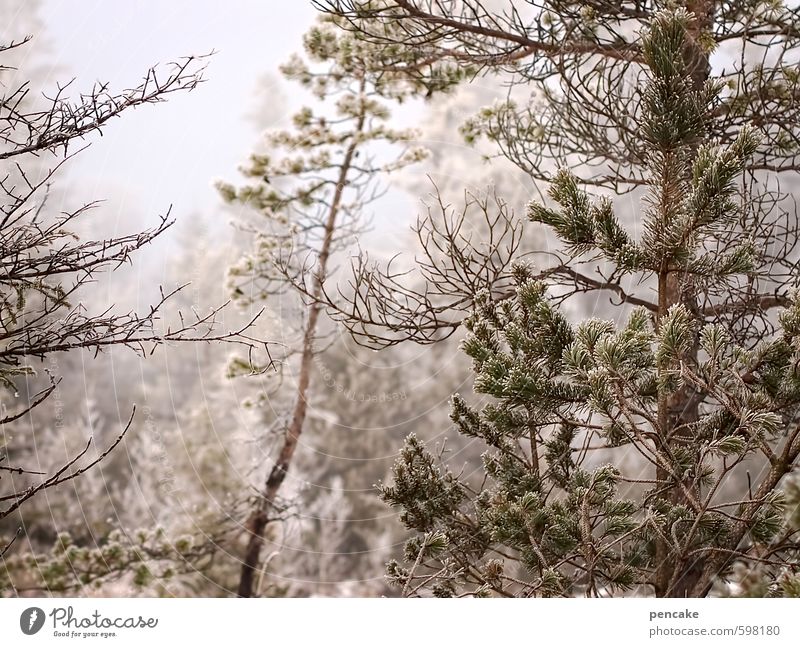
313	199
708	405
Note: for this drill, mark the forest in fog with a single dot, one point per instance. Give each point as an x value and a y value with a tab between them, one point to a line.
452	298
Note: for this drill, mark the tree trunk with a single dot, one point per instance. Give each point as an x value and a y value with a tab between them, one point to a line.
259	518
675	575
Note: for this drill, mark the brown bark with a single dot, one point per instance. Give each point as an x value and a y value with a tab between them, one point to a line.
677	575
260	517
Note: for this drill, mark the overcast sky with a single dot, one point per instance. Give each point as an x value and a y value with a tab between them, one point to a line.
172	152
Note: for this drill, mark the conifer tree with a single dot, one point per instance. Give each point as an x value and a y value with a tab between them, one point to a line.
313	198
700	382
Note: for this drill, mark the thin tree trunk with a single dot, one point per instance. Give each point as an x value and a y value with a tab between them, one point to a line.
259	518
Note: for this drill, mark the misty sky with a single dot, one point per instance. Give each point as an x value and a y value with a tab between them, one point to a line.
174	150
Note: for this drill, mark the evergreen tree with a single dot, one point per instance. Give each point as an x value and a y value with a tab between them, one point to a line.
313	200
700	382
